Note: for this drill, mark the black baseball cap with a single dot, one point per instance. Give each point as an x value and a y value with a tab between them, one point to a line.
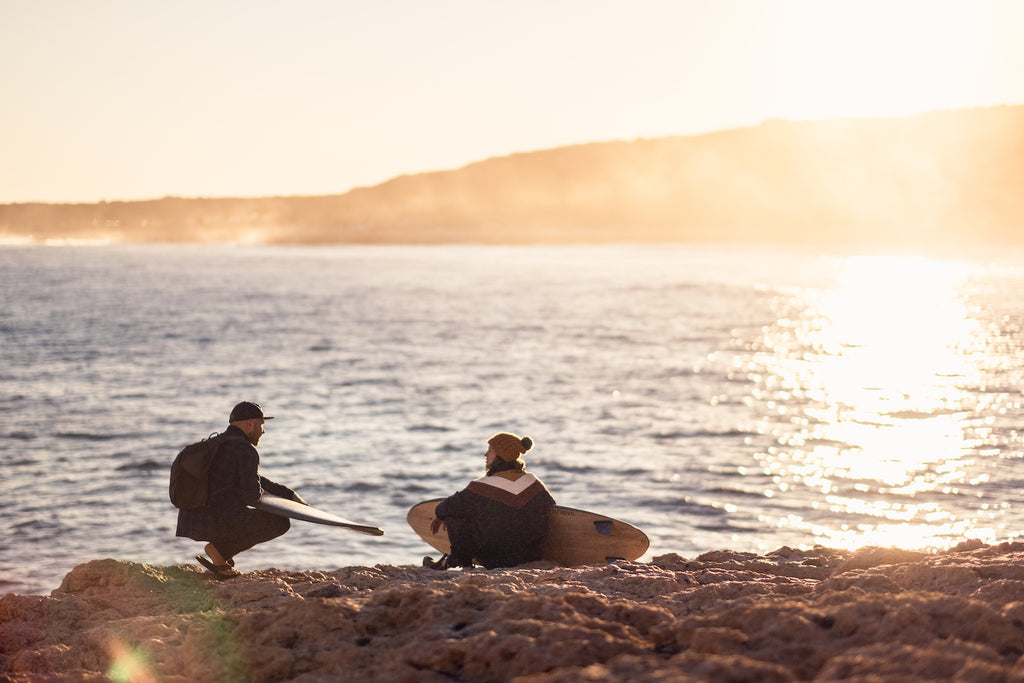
247	410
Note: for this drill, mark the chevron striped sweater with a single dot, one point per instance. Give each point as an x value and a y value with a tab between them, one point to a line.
499	520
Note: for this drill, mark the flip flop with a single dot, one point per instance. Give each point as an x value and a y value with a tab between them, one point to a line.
221	571
230	560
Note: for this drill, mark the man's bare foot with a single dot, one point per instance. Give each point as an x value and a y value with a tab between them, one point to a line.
214	554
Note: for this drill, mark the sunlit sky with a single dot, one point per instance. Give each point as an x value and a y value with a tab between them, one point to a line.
131	99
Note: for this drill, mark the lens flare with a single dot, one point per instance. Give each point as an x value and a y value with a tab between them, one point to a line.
129	664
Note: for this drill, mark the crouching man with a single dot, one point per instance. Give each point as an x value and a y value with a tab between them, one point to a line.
227	521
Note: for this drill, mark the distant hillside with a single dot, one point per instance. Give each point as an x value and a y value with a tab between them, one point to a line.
949	178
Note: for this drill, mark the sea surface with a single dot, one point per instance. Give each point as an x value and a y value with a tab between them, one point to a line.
715	396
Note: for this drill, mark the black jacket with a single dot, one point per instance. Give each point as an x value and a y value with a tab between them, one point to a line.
499	520
234	483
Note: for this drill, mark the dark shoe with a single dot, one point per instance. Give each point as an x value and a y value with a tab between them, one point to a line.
440	565
221	571
230	561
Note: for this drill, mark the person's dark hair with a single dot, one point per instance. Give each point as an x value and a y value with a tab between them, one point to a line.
500	465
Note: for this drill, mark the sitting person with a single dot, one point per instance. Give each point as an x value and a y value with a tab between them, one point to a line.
235	483
499	520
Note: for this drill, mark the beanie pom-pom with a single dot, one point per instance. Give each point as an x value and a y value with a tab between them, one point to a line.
527	443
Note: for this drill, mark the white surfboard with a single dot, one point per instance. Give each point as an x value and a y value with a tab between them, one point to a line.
307	513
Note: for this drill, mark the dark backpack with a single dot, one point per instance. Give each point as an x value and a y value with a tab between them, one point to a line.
190	472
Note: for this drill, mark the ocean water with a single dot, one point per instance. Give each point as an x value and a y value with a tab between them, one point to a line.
715	396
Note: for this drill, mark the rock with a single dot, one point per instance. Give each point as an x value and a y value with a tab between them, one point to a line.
790	615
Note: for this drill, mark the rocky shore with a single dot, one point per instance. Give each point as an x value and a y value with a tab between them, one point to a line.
790	615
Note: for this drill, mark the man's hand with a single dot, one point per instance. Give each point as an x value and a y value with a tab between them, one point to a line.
436	525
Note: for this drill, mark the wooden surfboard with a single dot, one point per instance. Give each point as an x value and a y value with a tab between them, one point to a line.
306	513
575	537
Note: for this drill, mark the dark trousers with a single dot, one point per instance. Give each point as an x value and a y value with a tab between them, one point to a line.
463	542
246	530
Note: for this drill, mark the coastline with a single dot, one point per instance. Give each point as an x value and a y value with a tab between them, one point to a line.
820	614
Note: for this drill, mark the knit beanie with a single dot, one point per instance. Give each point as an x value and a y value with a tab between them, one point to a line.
509	446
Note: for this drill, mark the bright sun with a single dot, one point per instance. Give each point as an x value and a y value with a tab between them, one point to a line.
876	58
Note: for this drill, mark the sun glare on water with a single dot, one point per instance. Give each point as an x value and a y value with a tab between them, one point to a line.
871	419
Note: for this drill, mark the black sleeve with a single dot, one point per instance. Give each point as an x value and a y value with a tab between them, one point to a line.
452	506
275	489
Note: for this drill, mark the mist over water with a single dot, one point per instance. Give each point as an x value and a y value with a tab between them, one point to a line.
716	397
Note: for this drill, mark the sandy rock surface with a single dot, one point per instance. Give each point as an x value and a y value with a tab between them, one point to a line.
791	615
